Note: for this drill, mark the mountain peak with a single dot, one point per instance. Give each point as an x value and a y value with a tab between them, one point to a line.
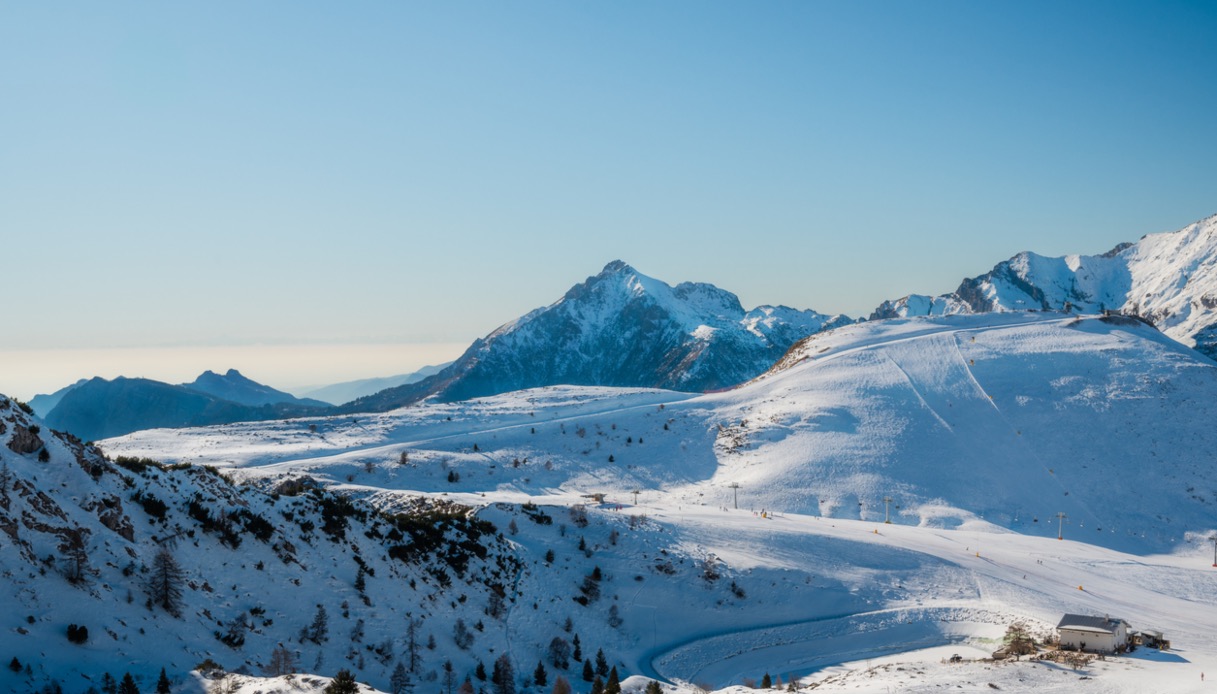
618	267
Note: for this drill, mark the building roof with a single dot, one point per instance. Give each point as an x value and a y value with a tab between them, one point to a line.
1081	622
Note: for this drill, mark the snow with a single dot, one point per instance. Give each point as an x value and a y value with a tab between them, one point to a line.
980	428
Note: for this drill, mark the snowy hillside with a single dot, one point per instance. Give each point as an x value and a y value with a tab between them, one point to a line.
980	429
1010	417
620	328
1169	279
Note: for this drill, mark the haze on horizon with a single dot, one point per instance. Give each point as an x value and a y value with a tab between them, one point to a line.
212	177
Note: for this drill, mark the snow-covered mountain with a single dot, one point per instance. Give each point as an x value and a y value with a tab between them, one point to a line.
979	429
1170	279
339	393
233	386
620	328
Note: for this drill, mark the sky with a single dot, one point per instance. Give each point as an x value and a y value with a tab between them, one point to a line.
202	178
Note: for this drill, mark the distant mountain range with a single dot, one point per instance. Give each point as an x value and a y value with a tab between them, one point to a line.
340	393
1169	279
97	408
620	328
623	328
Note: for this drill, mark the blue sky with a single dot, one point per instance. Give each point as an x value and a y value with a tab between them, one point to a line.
227	174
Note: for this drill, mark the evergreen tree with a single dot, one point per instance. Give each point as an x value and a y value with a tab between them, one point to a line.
766	681
127	686
597	685
399	682
504	676
162	683
539	675
654	687
613	686
561	686
466	687
319	631
602	667
588	673
14	664
449	676
480	672
108	684
343	683
165	582
577	654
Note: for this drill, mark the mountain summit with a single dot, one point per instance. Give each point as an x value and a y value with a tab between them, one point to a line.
1169	279
621	328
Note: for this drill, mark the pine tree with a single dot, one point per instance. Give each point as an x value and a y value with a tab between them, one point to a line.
766	681
449	676
127	686
602	667
613	686
588	673
399	682
539	675
577	654
480	672
343	683
319	631
165	582
162	683
653	687
504	676
597	685
466	687
561	686
108	684
14	664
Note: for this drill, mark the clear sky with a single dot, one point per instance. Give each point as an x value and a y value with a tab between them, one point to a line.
232	174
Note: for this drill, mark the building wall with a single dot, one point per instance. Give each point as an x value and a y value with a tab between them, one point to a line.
1094	642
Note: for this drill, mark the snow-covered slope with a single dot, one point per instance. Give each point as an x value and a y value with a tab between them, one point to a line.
1169	279
620	328
1006	417
980	429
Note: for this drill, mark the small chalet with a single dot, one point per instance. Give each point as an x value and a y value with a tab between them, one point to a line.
1094	634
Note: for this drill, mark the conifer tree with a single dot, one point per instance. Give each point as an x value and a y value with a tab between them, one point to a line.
597	685
766	681
613	686
561	686
588	673
162	683
539	675
343	683
602	667
577	654
399	681
654	687
127	685
480	672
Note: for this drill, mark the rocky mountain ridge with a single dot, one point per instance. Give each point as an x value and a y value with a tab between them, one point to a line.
1169	279
620	328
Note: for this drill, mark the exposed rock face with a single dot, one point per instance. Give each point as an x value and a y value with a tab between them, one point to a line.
24	440
621	328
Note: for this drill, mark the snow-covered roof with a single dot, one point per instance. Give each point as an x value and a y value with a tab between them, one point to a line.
1081	622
